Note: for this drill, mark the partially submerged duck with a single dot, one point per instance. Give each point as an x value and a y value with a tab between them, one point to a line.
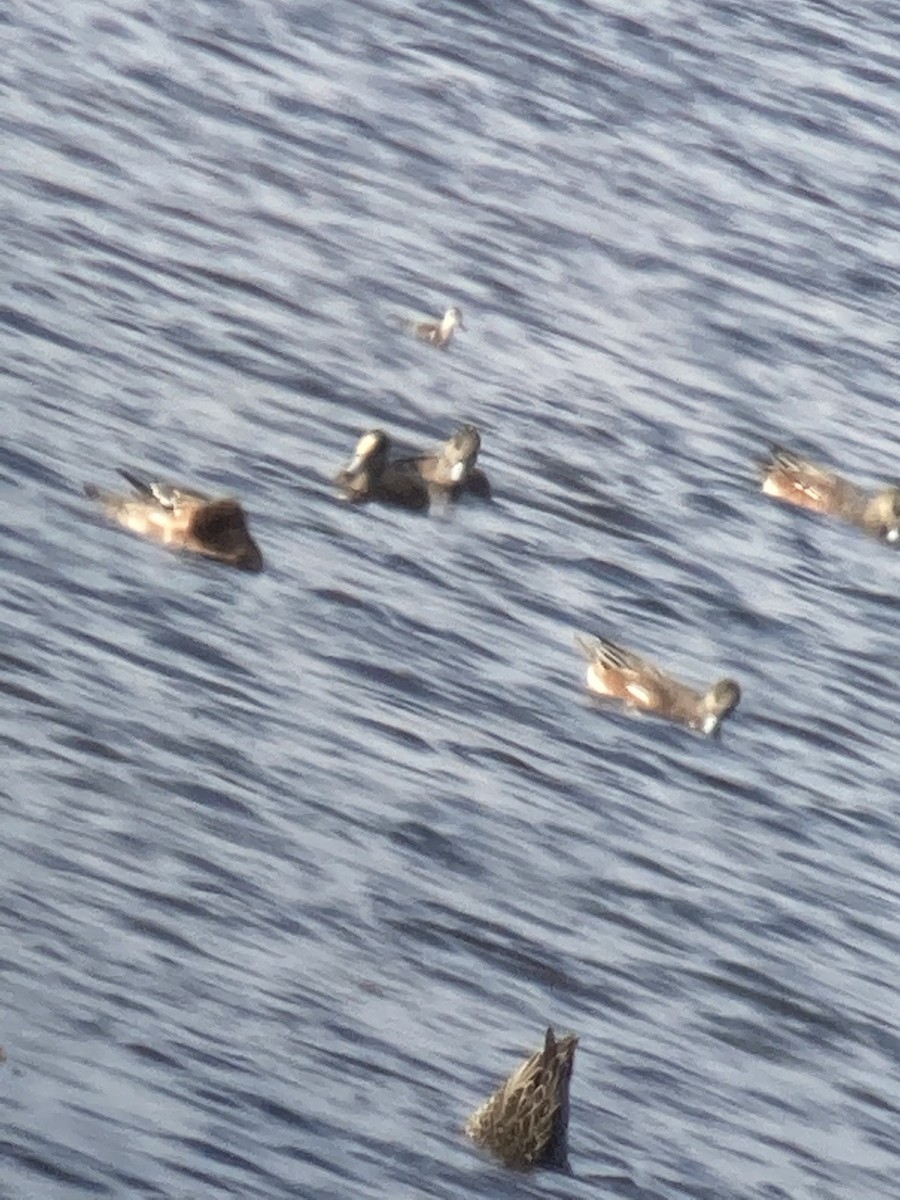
451	469
798	481
613	671
183	519
369	475
439	331
525	1122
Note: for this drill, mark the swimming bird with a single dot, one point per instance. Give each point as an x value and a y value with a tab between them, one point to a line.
439	332
183	519
613	671
370	475
451	470
790	477
525	1122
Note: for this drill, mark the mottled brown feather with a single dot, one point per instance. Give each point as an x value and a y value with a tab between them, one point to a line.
525	1121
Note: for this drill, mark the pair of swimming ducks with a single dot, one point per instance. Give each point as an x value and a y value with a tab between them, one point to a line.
618	673
217	528
414	482
185	519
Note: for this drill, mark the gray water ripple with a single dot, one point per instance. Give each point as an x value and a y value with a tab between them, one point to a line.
297	867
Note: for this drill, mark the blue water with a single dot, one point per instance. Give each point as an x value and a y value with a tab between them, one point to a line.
297	866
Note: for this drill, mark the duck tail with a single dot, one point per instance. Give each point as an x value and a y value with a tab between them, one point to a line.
142	488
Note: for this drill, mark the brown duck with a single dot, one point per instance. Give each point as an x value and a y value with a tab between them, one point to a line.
801	482
450	470
369	475
439	331
613	671
525	1122
183	520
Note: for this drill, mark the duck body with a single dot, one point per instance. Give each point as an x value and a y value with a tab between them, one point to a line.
370	475
450	470
439	331
525	1122
615	672
796	480
183	519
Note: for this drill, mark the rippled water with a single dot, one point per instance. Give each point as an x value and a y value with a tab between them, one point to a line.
296	866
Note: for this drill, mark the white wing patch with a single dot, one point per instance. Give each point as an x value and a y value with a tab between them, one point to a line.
638	694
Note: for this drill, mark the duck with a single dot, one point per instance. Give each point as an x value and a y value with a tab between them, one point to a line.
370	475
450	470
524	1123
183	519
619	673
439	331
790	477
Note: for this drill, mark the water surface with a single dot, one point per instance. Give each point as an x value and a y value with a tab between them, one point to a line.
297	866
